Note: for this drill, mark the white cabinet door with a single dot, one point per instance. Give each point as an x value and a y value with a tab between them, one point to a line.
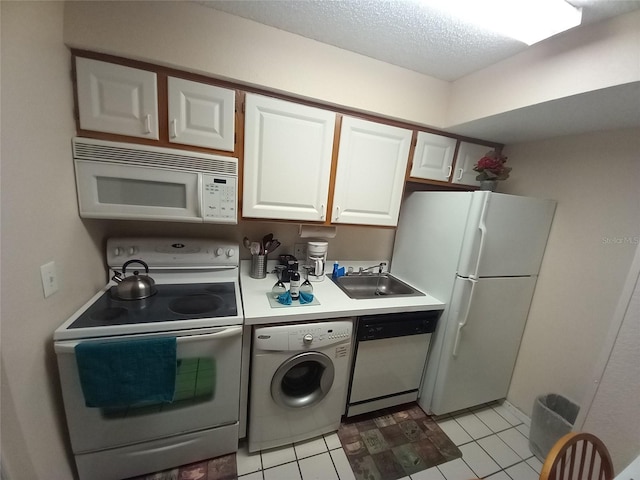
468	156
433	157
117	99
372	162
287	159
201	115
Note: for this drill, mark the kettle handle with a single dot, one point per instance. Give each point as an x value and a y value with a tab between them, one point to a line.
126	264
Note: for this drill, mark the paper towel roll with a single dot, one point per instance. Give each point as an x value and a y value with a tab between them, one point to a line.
317	231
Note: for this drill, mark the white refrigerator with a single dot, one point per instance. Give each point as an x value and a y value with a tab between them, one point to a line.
480	253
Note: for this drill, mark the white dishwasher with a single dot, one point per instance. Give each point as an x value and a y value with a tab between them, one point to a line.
390	356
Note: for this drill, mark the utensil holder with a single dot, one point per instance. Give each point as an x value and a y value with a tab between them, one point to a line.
258	266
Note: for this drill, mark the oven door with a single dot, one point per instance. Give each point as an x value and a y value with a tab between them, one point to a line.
207	392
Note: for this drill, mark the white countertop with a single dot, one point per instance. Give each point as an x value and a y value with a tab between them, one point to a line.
333	302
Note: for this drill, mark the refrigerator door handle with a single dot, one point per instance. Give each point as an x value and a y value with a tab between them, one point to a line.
482	226
462	324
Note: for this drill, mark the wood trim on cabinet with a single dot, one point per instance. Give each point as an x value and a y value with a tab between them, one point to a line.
239	146
334	168
412	150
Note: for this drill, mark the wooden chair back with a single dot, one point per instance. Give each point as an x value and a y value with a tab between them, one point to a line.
578	456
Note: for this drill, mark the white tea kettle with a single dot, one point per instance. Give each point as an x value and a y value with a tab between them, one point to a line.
136	286
317	260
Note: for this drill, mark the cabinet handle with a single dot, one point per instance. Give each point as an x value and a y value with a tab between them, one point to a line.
174	128
337	212
147	123
323	211
449	169
459	177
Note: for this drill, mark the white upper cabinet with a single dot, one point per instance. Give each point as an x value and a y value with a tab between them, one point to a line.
433	157
201	115
287	159
117	99
468	156
372	162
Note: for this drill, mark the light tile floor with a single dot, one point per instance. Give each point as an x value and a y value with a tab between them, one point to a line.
494	445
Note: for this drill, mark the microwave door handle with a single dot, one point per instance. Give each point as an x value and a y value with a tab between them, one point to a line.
228	332
200	199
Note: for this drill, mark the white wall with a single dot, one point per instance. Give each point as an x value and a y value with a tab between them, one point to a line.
594	178
39	224
614	413
583	59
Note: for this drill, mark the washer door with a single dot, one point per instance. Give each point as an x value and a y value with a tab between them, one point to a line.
303	380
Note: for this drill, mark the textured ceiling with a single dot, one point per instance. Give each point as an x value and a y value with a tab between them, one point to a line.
405	33
408	34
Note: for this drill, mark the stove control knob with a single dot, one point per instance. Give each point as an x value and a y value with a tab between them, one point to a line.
307	339
218	251
132	250
117	251
230	252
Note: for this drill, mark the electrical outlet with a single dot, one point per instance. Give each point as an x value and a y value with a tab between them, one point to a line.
49	279
300	251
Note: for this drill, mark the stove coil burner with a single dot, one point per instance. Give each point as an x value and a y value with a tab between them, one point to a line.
196	304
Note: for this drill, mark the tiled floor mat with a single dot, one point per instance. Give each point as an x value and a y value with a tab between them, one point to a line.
393	443
221	468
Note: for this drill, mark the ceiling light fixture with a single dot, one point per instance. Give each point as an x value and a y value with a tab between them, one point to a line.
526	20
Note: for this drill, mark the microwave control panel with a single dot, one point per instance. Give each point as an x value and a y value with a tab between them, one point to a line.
219	199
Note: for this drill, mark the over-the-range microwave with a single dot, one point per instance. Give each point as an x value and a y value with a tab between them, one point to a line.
138	182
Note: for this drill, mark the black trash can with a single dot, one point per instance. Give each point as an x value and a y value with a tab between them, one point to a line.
552	417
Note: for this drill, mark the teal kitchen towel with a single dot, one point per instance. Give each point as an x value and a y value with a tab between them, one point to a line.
306	297
285	298
127	372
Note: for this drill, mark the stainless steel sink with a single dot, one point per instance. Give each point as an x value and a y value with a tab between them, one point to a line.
375	286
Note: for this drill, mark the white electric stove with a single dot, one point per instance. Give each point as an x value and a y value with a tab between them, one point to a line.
198	302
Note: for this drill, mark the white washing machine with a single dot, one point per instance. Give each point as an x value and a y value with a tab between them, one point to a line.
299	376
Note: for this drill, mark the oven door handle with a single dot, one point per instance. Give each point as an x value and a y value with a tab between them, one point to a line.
227	332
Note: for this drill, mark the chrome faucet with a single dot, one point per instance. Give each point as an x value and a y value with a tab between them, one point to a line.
379	266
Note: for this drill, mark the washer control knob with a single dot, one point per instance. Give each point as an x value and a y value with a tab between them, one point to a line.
307	339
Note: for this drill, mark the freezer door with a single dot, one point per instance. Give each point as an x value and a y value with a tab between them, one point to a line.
506	235
481	341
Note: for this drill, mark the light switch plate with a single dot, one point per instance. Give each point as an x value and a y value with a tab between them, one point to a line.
49	279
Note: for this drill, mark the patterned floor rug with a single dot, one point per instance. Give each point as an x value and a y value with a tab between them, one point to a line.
221	468
393	443
384	445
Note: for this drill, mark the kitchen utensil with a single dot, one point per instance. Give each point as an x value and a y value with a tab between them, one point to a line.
246	242
258	266
255	248
273	245
136	286
265	240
